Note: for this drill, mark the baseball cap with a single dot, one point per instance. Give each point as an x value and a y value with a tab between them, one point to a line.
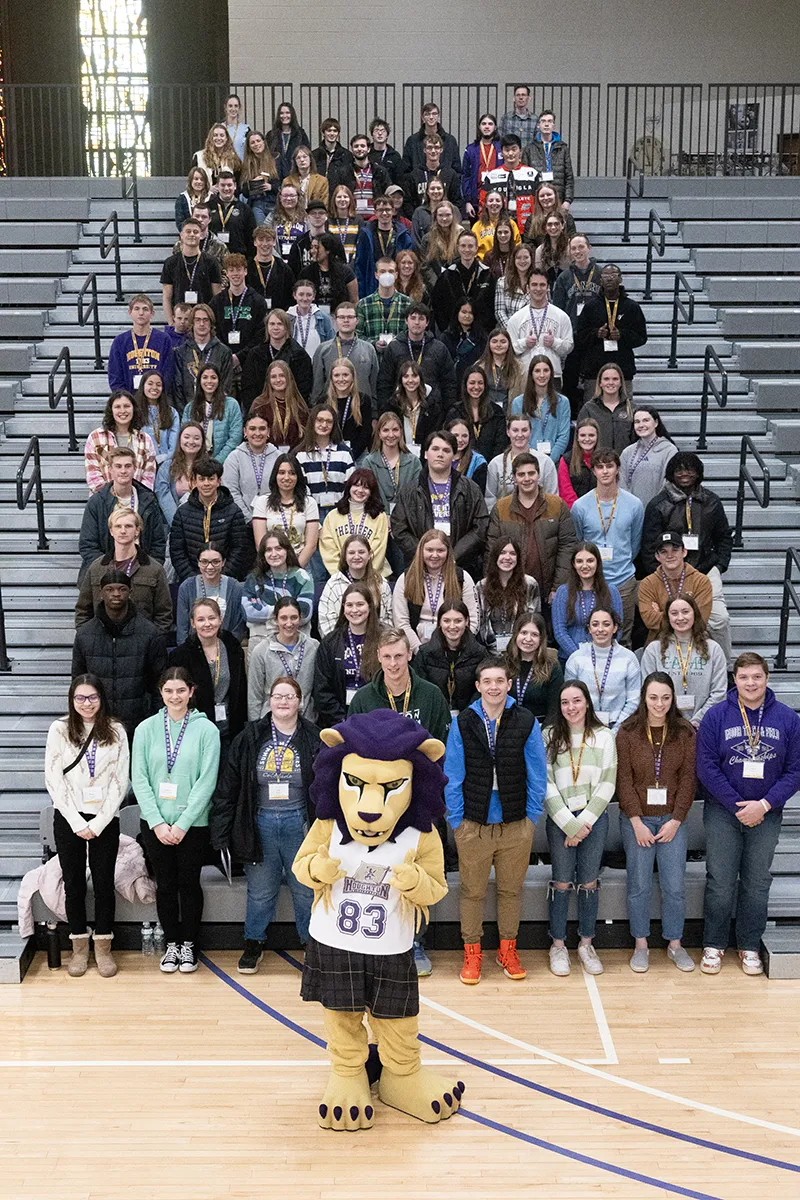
392	189
672	538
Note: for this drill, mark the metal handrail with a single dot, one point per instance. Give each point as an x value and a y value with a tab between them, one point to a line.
90	283
630	167
131	191
54	397
720	394
105	250
678	308
5	661
34	483
746	478
659	244
790	593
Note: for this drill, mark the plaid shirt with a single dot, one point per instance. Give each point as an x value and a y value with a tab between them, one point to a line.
372	320
523	127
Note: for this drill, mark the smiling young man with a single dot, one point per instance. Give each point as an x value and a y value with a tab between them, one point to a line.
515	182
239	311
673	577
496	783
541	328
211	583
232	222
189	275
748	759
140	348
431	356
550	155
210	514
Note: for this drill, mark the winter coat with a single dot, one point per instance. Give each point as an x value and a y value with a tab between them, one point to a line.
149	590
414	152
632	328
95	539
190	654
436	368
227	529
283	158
254	371
129	657
469	519
553	530
560	164
226	433
667	511
471	170
449	291
491	438
616	428
433	662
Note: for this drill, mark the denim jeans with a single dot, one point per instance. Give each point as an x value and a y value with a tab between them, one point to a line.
262	206
575	865
281	832
639	861
738	861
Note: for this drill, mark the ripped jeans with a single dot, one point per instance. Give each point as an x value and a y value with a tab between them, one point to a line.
577	866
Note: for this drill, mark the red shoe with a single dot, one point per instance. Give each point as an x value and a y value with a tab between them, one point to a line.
471	970
508	959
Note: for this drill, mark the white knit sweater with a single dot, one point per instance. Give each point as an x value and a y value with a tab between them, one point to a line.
111	775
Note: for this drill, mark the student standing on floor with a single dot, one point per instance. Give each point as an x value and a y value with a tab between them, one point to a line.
496	782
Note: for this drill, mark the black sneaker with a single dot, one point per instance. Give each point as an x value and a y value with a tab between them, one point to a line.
172	959
251	957
189	960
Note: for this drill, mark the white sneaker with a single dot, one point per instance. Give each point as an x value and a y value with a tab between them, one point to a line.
559	960
751	962
591	963
712	960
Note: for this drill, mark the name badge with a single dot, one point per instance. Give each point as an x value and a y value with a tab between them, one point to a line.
604	717
167	790
657	797
691	541
543	447
577	803
278	791
606	553
92	797
190	297
415	449
443	525
268	302
609	345
234	337
350	695
224	237
546	176
501	641
685	703
362	204
220	712
752	770
137	381
385	338
285	248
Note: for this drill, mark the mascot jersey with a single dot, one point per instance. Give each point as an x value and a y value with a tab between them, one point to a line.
365	914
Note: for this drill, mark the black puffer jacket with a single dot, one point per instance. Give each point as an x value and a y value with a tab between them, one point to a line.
254	371
95	540
436	368
190	655
228	529
667	511
469	520
129	656
492	438
232	820
431	416
433	663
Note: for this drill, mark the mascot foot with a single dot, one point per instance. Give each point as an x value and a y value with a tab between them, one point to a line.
424	1095
347	1103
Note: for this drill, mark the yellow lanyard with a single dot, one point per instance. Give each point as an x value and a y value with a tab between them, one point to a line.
576	770
688	516
451	680
281	422
584	287
752	739
684	663
216	667
207	522
140	352
605	528
611	313
406	699
413	419
224	220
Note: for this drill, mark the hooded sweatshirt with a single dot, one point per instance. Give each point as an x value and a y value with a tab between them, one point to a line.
723	748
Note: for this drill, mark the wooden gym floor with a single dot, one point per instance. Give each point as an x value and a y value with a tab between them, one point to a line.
205	1087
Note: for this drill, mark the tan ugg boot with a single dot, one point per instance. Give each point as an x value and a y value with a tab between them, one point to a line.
106	967
80	955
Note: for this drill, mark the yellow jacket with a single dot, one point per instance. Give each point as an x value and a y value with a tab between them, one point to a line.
336	529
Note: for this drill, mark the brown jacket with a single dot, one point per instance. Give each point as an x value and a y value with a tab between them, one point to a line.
554	533
652	591
149	590
636	773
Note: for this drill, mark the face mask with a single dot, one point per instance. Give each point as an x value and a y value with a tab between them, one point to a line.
386	279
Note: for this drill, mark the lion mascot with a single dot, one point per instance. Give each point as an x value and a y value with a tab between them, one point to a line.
374	860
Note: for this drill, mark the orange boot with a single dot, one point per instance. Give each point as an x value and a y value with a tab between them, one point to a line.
471	970
508	959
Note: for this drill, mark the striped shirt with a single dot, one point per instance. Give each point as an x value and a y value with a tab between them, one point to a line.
326	472
575	804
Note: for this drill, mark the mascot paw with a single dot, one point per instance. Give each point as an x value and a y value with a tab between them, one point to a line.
347	1103
424	1095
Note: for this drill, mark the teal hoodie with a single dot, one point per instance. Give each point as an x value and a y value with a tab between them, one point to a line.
195	771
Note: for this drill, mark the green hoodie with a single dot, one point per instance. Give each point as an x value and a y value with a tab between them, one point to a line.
426	704
195	770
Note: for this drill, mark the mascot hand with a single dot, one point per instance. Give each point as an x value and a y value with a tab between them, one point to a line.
325	869
407	874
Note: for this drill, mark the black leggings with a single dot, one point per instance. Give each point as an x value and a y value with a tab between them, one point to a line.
102	852
179	895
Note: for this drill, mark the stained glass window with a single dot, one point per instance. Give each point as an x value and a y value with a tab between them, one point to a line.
114	86
3	166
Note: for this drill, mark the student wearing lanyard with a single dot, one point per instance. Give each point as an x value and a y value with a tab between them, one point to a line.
451	656
673	577
576	284
656	787
239	311
431	579
581	772
189	275
354	567
496	782
393	465
288	507
610	672
268	274
310	325
418	347
360	510
325	458
540	328
288	652
748	760
576	599
262	811
695	665
643	464
466	278
86	773
276	574
208	515
355	412
120	428
347	657
547	408
158	419
536	675
139	349
248	468
215	660
232	221
381	314
504	594
211	584
609	329
346	346
174	767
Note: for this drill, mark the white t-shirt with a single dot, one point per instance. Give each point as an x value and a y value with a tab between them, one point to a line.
292	521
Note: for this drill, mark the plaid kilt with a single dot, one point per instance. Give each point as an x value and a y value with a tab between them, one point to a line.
385	984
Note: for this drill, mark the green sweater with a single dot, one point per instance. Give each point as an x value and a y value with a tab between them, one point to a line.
195	770
426	704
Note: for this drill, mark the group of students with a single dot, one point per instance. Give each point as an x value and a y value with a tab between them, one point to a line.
348	493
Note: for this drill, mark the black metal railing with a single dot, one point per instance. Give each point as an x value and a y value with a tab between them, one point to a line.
65	388
107	247
761	494
789	597
679	309
652	123
130	191
353	105
654	243
34	484
710	388
460	106
93	311
630	168
579	124
5	661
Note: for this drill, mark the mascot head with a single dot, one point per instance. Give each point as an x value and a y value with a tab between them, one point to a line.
378	774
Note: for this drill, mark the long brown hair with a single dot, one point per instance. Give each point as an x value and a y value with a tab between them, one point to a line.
576	463
674	723
400	395
369	653
218	399
179	467
484	404
384	419
514	281
103	729
443	246
371	577
254	165
415	287
510	374
535	229
166	413
554	256
543	660
464	459
296	407
355	395
602	595
530	404
560	738
511	599
698	635
262	569
308	442
415	575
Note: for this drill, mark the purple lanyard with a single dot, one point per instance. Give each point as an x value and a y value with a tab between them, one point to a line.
172	753
393	472
346	411
601	687
491	734
441	499
584	614
434	602
665	581
91	758
279	749
657	756
287	662
298	321
258	471
362	524
279	589
641	457
521	688
538	331
356	651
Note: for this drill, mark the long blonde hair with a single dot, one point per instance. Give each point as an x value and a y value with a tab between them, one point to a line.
415	575
228	159
355	396
443	245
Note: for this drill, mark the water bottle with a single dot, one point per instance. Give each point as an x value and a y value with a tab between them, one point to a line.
148	946
53	946
158	939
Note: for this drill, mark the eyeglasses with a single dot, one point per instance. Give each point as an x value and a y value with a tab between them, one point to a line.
86	699
284	697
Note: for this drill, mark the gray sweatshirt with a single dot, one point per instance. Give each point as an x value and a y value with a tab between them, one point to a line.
266	665
644	476
500	477
706	679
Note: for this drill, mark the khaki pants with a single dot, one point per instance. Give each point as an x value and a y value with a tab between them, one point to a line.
627	592
508	849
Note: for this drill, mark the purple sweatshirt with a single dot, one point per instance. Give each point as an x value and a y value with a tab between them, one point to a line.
123	365
722	748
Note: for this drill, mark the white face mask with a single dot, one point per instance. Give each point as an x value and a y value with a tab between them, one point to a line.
386	279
